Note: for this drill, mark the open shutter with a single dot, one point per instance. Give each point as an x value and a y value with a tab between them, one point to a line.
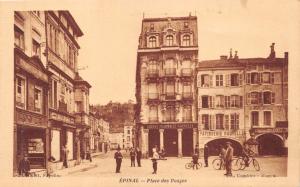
213	120
227	79
212	101
272	78
248	78
199	101
241	101
199	80
237	101
210	81
273	97
260	98
248	98
209	122
259	78
241	79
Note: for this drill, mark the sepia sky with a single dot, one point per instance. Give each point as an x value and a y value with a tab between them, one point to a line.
111	30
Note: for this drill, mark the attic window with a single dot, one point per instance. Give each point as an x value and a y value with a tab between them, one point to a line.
152	27
186	25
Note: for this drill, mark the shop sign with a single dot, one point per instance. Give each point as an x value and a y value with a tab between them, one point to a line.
172	126
27	118
60	117
270	130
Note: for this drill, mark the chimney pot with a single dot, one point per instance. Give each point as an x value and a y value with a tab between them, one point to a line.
236	55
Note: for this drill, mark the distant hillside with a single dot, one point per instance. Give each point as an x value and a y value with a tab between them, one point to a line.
116	114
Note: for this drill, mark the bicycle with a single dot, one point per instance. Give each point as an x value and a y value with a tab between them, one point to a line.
191	165
242	163
219	164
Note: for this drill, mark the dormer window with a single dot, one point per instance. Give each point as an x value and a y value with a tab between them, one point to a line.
186	25
152	42
152	27
186	40
169	40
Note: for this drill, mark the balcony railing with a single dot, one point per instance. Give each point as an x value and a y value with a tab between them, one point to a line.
153	96
153	119
170	71
218	133
187	95
152	73
170	95
186	72
187	119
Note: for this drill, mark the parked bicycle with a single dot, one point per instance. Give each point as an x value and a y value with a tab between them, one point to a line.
192	165
218	164
241	162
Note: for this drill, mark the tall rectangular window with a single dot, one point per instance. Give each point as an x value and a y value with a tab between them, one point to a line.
219	121
234	101
219	80
227	101
36	48
170	90
187	113
226	121
19	38
54	94
254	119
153	114
20	92
255	78
234	121
205	121
205	101
234	79
38	99
266	77
170	113
267	118
219	101
205	81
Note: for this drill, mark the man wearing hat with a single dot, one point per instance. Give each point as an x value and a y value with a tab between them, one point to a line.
118	157
228	159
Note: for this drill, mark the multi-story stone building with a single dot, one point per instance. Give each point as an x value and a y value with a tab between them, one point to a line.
128	135
69	93
244	101
104	141
31	130
166	106
220	90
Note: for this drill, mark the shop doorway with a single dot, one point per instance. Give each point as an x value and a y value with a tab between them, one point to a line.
153	139
269	144
171	142
214	146
187	142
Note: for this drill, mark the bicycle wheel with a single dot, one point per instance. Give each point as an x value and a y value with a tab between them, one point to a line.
235	164
217	164
188	165
199	165
256	164
241	163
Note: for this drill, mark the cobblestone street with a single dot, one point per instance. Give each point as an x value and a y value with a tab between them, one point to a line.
104	166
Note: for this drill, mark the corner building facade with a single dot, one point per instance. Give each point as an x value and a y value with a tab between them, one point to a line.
166	104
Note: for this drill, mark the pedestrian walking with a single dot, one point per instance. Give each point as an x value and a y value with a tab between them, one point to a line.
88	154
65	152
132	157
206	155
138	156
24	167
118	157
222	156
154	161
228	159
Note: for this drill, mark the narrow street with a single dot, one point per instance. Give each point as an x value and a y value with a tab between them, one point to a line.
104	166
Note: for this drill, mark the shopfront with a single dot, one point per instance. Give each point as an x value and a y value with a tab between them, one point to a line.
175	139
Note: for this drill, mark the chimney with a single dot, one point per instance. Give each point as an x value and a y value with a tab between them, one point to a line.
230	53
236	55
223	57
272	53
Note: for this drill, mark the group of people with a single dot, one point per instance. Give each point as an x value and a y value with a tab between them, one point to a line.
135	154
195	156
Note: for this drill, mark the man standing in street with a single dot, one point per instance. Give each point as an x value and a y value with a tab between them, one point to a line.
132	157
228	159
154	161
206	155
118	157
24	166
138	156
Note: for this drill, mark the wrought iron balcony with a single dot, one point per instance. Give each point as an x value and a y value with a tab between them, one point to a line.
186	72
170	95
170	72
152	73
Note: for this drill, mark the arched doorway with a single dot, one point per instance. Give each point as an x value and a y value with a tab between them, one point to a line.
269	144
214	146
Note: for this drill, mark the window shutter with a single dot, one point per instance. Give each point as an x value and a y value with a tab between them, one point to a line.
210	81
199	101
227	80
213	120
272	78
237	101
237	121
259	78
212	102
241	101
241	79
273	97
248	98
248	78
209	122
199	80
260	98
